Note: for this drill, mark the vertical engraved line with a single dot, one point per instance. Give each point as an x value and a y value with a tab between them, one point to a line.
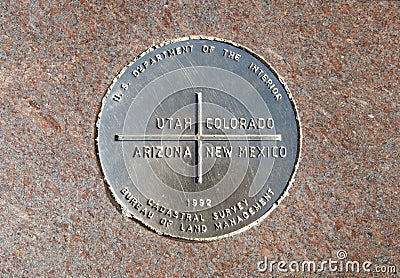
199	139
200	113
200	163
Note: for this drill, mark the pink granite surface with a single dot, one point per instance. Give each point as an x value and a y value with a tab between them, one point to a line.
341	61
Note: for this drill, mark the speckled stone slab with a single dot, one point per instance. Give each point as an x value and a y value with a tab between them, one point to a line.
341	62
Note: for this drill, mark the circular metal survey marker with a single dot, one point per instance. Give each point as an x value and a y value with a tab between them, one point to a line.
198	138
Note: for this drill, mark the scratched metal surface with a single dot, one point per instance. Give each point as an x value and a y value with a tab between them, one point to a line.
198	180
340	61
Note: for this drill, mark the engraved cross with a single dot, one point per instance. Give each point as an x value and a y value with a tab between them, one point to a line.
198	138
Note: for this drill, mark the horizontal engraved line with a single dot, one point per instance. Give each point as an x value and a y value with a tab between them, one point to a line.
170	137
204	137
